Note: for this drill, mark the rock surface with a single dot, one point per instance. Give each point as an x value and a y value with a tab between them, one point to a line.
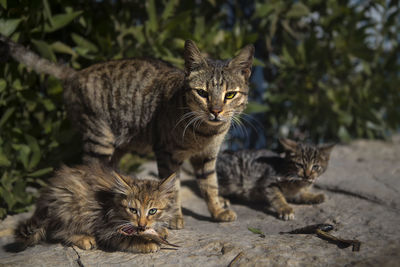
362	186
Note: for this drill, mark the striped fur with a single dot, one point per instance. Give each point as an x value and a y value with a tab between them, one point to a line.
263	175
87	205
146	104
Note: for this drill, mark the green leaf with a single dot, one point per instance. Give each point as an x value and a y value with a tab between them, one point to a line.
8	26
256	231
41	172
4	162
152	13
44	50
63	48
84	43
6	116
47	12
35	149
61	20
298	10
169	9
254	107
3	85
3	3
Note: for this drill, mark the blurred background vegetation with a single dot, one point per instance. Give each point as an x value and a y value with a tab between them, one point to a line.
325	70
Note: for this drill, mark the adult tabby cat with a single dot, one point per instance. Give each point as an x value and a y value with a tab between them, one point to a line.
263	175
146	104
91	206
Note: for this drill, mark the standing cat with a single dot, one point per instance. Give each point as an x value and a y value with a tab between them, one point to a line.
90	206
146	104
262	175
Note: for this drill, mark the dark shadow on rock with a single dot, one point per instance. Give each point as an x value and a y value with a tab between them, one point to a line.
192	185
14	247
257	206
196	216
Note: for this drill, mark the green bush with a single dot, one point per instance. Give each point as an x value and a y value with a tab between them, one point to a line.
331	70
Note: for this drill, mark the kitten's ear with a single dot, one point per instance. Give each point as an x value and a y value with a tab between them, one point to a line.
193	58
243	61
123	186
288	144
326	149
167	185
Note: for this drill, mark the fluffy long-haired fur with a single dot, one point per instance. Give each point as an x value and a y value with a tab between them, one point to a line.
146	104
90	206
265	176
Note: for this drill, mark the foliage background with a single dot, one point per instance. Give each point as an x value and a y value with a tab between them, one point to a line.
325	70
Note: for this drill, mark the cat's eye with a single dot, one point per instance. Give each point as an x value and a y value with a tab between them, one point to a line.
152	211
316	167
133	210
202	93
230	95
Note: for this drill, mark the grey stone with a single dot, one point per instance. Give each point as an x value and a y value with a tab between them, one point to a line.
362	186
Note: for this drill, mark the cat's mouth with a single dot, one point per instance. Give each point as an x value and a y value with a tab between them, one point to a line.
131	230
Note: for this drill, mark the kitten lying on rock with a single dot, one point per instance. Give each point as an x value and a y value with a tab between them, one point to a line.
94	207
263	175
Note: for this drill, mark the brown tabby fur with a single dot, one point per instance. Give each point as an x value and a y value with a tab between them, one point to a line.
146	104
263	175
87	205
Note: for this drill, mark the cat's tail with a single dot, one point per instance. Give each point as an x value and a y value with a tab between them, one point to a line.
30	232
32	60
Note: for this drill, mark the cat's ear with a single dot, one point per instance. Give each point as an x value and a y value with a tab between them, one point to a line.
243	61
122	185
193	58
288	144
326	149
167	185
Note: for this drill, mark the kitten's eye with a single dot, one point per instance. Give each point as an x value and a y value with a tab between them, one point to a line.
202	93
316	167
230	95
298	165
152	211
133	210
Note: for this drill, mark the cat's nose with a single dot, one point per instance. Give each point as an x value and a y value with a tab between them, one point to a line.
141	228
216	110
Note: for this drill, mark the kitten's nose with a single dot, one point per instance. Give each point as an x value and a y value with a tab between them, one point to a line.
141	228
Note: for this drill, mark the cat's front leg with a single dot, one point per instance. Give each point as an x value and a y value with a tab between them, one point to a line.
167	165
279	204
85	242
204	169
305	197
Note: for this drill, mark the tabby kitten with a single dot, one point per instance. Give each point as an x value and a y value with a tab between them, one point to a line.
262	175
90	206
145	104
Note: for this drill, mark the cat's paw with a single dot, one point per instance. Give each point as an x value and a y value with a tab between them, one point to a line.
318	199
147	247
286	213
225	216
163	232
225	202
85	242
177	222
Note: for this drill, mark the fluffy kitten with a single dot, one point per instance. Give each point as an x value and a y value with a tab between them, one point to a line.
262	175
145	104
90	206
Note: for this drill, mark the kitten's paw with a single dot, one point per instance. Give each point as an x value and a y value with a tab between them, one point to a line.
85	242
225	202
286	213
177	222
319	199
147	247
163	232
226	216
